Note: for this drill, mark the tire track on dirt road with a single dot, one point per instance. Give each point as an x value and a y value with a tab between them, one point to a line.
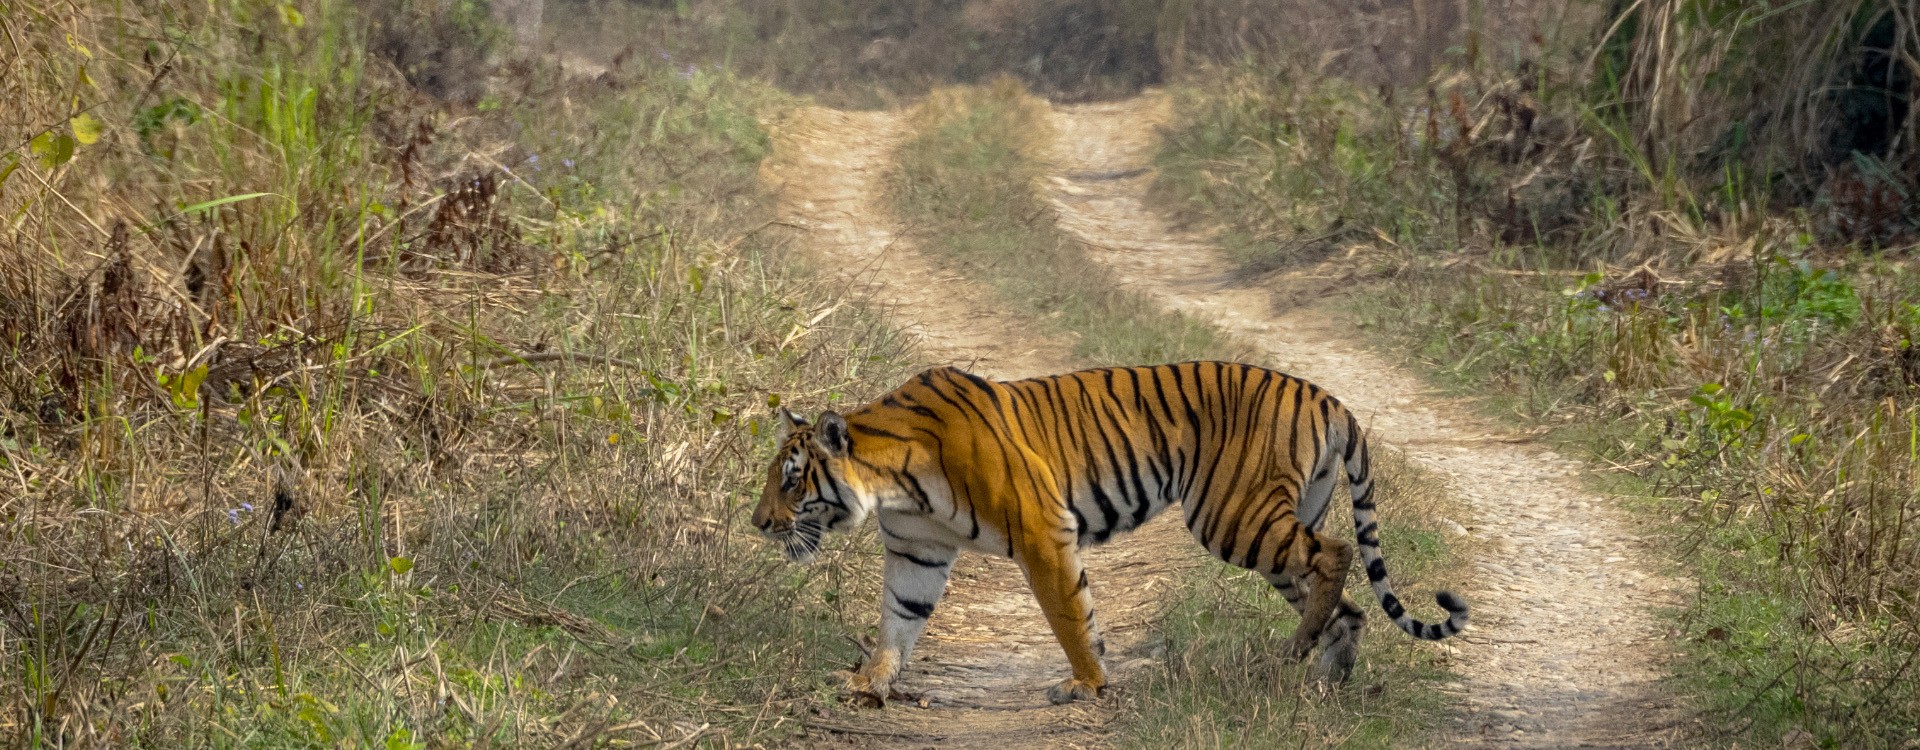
1565	649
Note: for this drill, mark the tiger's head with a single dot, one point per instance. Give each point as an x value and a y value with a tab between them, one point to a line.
807	493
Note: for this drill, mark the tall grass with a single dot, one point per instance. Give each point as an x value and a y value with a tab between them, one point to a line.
331	415
1683	247
969	178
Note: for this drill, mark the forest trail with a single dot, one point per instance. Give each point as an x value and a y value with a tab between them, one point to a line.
987	658
1565	649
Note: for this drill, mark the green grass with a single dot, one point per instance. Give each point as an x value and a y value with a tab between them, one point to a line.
382	421
968	178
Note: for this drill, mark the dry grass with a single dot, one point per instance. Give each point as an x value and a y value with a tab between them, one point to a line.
333	415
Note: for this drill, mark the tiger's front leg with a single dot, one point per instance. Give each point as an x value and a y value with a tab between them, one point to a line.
916	576
1059	582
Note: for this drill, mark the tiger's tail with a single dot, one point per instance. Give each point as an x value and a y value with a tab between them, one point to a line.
1367	531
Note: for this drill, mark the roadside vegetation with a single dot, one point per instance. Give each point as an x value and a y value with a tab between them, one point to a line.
336	414
968	185
1686	246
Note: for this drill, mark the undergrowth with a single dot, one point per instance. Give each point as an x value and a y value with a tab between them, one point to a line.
1686	245
968	179
333	415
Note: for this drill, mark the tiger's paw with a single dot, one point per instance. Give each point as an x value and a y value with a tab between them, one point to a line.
861	691
1295	650
1071	690
1335	664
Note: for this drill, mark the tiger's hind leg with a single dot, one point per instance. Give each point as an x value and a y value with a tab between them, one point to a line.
1339	641
1309	570
1318	565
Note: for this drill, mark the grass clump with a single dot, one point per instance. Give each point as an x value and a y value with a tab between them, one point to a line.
970	177
1683	251
968	181
331	414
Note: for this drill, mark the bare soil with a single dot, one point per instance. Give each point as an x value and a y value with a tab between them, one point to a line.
1565	649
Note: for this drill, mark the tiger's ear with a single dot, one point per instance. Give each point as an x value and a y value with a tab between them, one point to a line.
832	436
788	422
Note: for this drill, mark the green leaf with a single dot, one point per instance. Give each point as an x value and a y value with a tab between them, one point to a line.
53	149
87	129
290	16
402	739
218	202
186	388
400	565
13	162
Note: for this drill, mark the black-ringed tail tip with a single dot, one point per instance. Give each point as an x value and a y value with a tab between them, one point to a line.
1456	621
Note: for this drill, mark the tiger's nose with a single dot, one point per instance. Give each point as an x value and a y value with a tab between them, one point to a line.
769	527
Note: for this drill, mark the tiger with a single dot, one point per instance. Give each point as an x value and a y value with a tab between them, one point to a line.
1038	469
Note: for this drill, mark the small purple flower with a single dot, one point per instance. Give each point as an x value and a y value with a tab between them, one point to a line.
665	56
568	162
1636	294
1603	308
687	71
233	516
248	507
299	585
